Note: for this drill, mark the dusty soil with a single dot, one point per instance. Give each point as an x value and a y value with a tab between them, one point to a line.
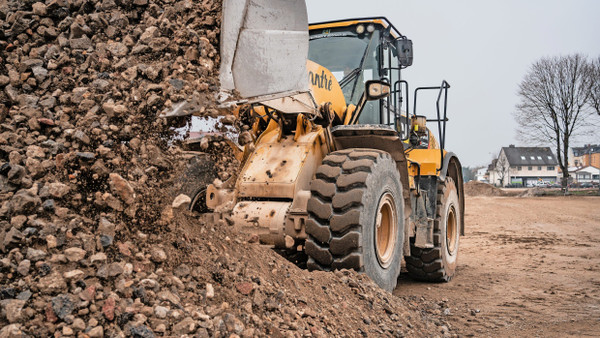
475	188
527	267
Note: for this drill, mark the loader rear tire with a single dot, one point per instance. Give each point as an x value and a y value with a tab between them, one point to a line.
199	173
356	215
439	263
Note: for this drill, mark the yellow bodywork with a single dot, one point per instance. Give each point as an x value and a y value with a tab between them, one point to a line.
270	196
325	88
347	23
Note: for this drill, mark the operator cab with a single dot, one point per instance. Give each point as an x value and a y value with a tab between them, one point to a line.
362	51
357	51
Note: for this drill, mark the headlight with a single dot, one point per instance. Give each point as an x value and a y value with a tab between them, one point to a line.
370	28
360	29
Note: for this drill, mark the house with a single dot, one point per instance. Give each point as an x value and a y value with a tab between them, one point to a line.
586	174
524	166
482	175
588	155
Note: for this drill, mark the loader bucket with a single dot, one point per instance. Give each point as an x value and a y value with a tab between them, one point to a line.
264	47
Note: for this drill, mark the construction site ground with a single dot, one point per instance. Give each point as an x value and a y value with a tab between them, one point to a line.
527	267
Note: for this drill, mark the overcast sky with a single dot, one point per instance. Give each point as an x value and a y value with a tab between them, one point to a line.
483	49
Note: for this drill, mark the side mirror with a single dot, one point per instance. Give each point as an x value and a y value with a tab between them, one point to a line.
377	90
405	52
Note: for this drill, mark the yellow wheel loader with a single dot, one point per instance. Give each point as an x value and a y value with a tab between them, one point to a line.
338	166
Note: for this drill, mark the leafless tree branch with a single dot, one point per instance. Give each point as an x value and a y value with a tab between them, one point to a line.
559	99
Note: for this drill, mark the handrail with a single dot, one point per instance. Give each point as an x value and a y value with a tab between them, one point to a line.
443	90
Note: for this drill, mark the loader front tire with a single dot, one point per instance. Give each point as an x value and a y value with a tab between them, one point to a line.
438	264
356	215
198	174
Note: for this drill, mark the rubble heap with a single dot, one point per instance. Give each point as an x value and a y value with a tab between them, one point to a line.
90	243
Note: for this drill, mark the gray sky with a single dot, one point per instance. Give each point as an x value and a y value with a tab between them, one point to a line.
483	49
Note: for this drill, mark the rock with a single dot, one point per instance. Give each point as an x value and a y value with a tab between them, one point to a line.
62	305
88	294
182	270
11	238
110	270
210	291
117	49
122	188
67	331
150	33
130	73
39	8
228	120
24	295
186	326
81	137
18	221
78	324
96	332
25	202
35	151
161	312
108	309
160	328
49	205
244	288
245	138
112	109
105	227
106	241
23	267
12	331
74	275
204	144
52	283
81	43
168	296
141	294
177	83
149	283
99	257
141	331
16	174
86	156
181	202
35	255
40	73
13	309
51	241
158	255
233	324
74	254
58	190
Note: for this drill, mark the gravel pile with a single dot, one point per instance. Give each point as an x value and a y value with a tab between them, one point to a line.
91	243
476	188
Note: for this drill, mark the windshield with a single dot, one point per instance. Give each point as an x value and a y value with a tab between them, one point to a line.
352	58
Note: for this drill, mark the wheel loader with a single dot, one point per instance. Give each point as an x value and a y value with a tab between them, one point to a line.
338	165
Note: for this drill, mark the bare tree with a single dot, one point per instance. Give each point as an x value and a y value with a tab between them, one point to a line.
595	91
502	167
556	104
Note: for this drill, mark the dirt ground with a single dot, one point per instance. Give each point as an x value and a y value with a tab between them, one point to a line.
527	267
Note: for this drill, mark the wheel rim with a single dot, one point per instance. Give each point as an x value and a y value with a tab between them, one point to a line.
451	231
385	230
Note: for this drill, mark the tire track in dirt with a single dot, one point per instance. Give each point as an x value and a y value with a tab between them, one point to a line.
527	267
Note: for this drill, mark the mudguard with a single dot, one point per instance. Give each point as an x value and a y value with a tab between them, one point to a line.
453	168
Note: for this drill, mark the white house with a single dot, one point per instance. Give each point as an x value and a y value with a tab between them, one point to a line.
481	175
524	166
586	175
